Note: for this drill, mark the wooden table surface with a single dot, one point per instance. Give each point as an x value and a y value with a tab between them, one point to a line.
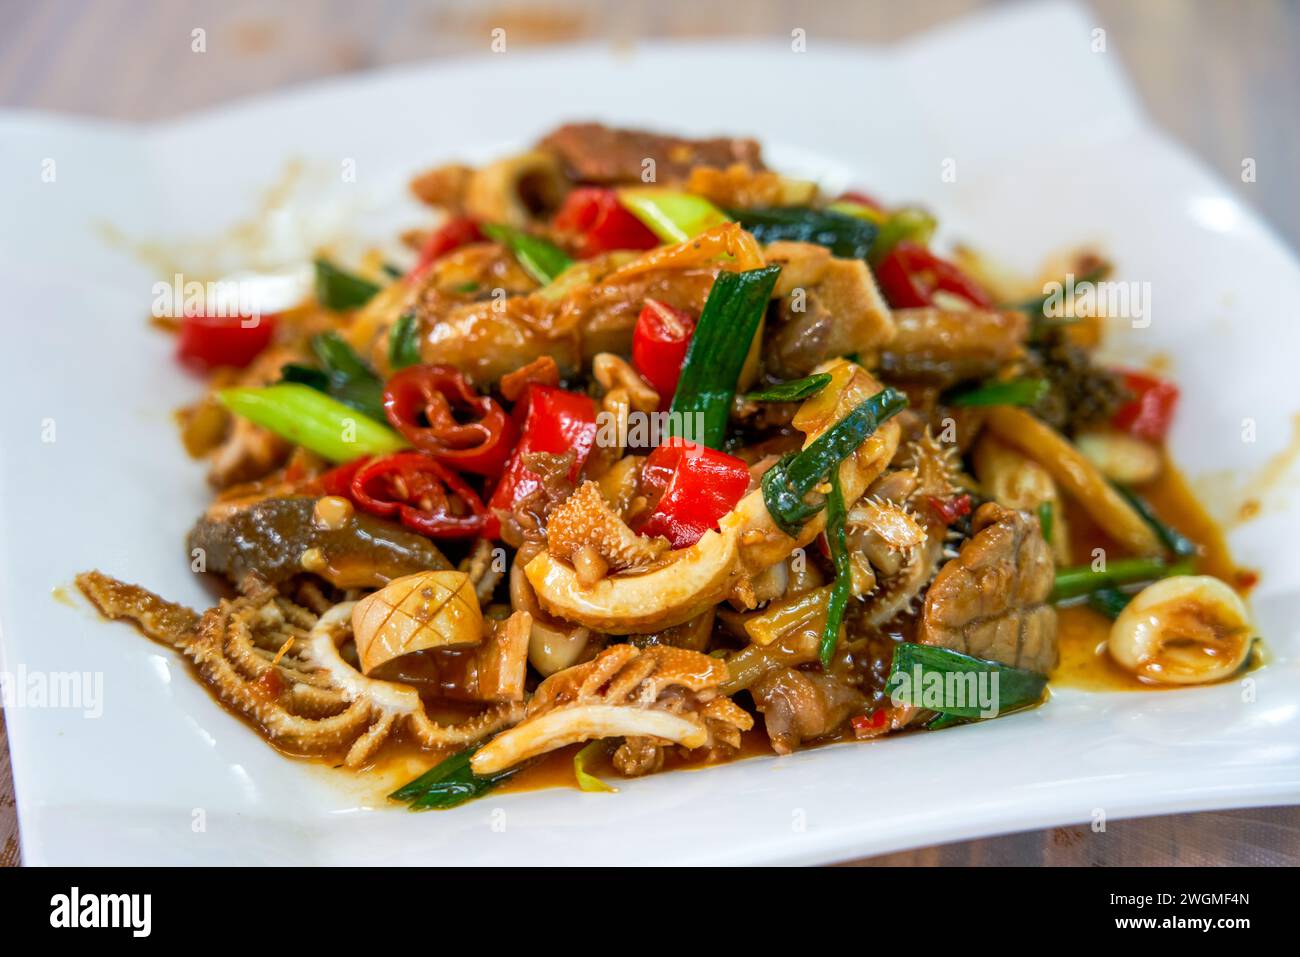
1220	75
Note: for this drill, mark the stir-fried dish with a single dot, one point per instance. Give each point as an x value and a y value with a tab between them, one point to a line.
651	451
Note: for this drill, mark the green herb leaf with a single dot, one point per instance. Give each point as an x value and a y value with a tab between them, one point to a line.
792	391
351	381
449	783
404	342
787	483
835	518
339	290
717	353
1011	392
541	258
586	780
946	681
305	375
848	237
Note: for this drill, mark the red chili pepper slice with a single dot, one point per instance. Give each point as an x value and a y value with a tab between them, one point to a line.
949	510
864	724
210	341
552	420
911	275
603	224
451	235
439	412
659	343
338	480
1151	410
425	496
696	486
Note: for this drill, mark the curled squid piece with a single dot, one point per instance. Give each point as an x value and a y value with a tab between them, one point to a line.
1187	629
683	583
652	697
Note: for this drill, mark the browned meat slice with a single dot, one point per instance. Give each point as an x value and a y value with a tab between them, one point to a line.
991	600
800	706
943	346
594	153
278	538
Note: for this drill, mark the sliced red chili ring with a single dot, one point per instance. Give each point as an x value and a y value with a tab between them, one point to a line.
423	402
425	496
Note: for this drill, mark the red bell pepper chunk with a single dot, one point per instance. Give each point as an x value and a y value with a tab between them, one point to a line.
552	420
603	224
450	236
210	341
910	276
697	485
1149	413
659	343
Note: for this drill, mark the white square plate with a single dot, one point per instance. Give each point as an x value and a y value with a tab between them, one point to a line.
1049	151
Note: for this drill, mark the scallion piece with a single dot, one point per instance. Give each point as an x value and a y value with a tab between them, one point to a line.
339	290
1046	514
793	390
717	353
906	223
839	598
673	216
313	420
959	686
541	258
404	342
848	237
449	783
1084	579
1010	392
786	484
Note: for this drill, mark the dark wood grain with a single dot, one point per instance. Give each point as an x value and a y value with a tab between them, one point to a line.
1220	75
